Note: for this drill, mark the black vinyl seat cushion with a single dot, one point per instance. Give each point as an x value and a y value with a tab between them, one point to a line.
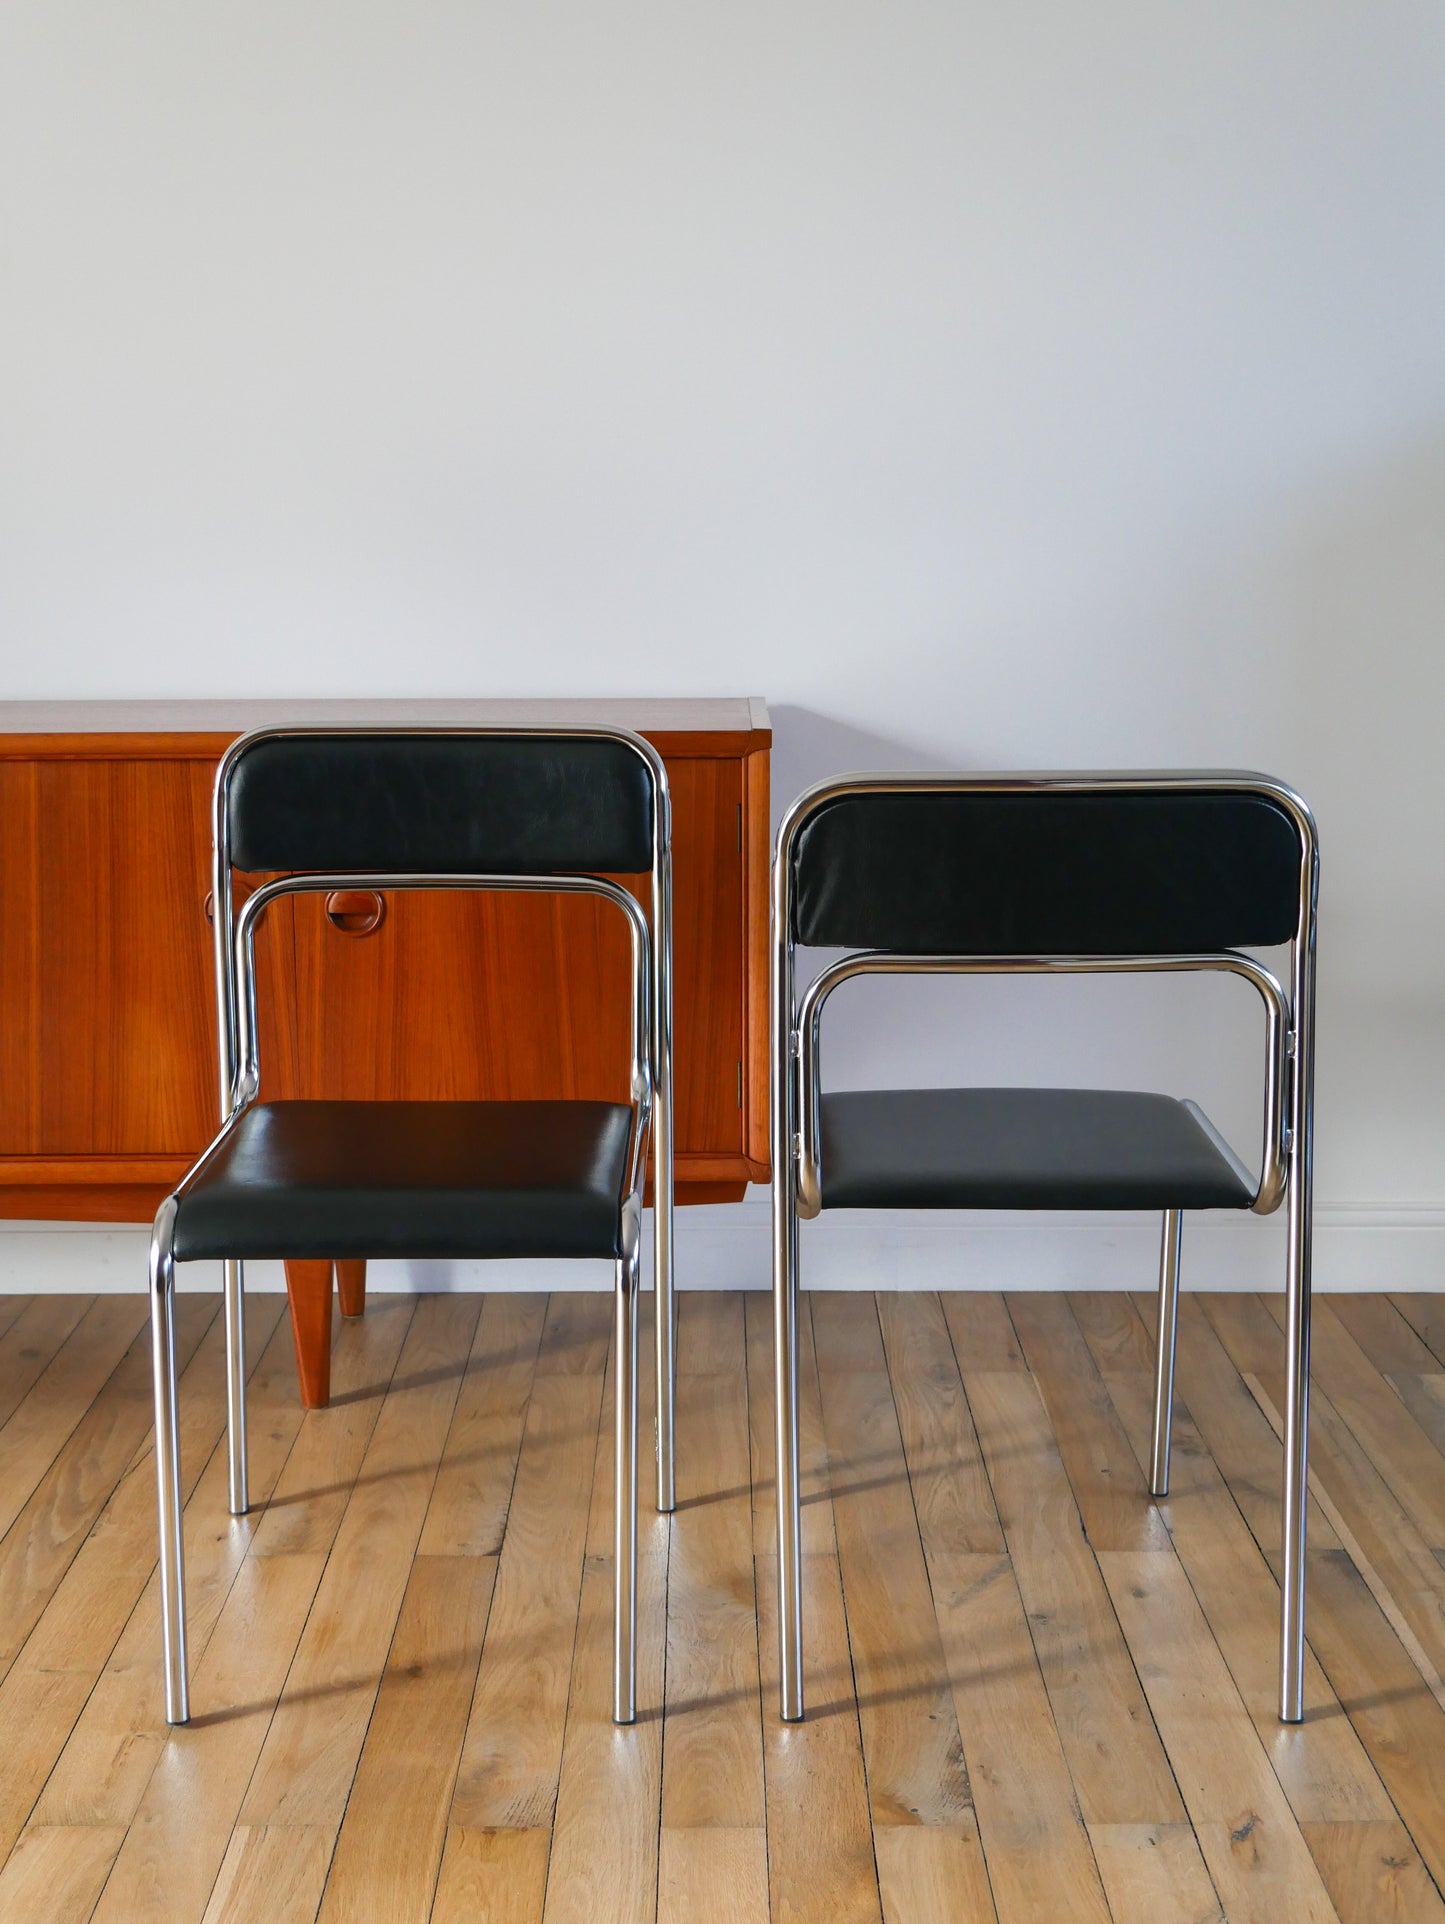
1023	1149
418	1179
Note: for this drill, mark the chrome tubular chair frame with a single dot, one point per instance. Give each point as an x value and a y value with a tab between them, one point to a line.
1286	1162
228	1032
651	1039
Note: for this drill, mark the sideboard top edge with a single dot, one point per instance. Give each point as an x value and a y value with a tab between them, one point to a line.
85	730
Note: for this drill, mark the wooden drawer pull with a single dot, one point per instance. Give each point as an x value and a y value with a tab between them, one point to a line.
355	911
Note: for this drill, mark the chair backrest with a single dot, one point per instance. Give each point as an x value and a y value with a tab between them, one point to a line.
441	802
1085	868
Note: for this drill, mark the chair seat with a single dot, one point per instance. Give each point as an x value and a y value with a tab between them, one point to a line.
418	1179
1024	1149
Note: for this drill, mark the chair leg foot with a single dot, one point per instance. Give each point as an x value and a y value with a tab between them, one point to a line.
624	1542
168	1466
308	1290
351	1285
1164	1350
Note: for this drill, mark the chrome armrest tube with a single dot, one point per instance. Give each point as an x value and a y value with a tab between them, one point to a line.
807	1056
248	1067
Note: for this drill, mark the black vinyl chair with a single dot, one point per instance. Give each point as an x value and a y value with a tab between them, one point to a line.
555	811
1049	874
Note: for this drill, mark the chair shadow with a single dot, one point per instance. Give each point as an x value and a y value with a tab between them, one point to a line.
466	1459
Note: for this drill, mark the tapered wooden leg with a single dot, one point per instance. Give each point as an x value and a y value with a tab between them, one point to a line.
351	1285
308	1288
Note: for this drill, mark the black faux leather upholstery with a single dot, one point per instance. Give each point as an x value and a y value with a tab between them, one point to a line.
412	1179
473	804
1021	1149
1037	872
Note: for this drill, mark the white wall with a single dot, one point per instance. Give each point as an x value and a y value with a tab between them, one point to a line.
987	386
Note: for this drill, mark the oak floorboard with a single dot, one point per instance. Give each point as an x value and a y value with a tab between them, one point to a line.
62	1394
1321	1764
12	1307
1154	1874
1423	1395
1252	1845
950	1486
1373	1873
712	1738
1109	1487
818	1535
1034	1843
932	1874
1399	1721
498	1875
64	1505
1400	1567
86	1689
1117	1335
653	1528
911	1746
57	1873
983	1335
1114	1752
305	1509
820	1841
711	1331
1399	1450
604	1862
31	1340
1383	1334
1426	1316
468	1510
371	1738
1396	1717
512	1754
305	1770
389	1850
1237	1431
713	1876
277	1873
181	1830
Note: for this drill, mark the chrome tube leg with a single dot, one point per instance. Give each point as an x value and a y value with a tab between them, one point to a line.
1297	1322
1164	1350
664	1307
664	1304
785	1403
236	1386
1296	1471
1296	1453
168	1465
624	1540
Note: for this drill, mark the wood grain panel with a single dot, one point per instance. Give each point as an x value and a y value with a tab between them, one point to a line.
20	1077
107	1026
123	938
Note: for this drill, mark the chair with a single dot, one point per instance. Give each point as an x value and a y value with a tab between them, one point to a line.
321	810
1053	874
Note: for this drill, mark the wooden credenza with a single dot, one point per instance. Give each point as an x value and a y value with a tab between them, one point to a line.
108	1079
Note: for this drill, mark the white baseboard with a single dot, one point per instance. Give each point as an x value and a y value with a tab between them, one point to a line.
1398	1247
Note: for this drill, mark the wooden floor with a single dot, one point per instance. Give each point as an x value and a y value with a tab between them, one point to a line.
1034	1695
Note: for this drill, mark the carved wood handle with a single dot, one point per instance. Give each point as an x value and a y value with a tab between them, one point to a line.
355	911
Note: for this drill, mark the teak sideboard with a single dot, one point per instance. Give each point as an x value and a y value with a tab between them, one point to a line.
108	1076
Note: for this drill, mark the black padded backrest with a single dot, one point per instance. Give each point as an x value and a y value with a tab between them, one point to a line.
1047	872
461	804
